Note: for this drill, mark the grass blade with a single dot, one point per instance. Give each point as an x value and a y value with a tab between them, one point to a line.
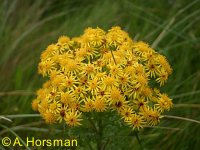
21	115
181	118
163	33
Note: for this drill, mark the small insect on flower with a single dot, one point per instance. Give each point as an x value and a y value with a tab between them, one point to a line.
102	71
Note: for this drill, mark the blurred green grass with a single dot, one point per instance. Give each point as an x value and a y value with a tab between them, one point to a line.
172	27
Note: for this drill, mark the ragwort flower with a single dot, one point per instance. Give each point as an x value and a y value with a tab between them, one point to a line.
102	71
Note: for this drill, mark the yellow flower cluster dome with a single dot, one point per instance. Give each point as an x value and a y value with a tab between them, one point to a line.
102	71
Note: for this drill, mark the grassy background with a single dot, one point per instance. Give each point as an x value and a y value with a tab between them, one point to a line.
170	26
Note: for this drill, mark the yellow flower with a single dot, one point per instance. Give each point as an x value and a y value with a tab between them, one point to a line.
133	92
151	115
100	104
107	57
79	92
103	93
43	106
75	105
126	113
93	86
41	93
35	104
66	98
48	53
46	84
141	103
150	56
124	79
136	121
63	39
55	106
73	118
152	69
51	48
116	36
62	113
100	63
139	69
162	61
102	71
87	105
109	82
141	81
88	69
49	117
52	93
81	53
141	48
100	76
119	104
115	70
130	70
69	82
95	36
115	94
162	77
72	66
57	81
164	103
45	67
147	92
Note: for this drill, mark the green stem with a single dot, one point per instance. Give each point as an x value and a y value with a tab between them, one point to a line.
138	139
106	143
64	130
113	57
89	145
93	124
99	133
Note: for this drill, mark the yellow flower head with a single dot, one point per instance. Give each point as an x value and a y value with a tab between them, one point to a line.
35	104
100	104
63	39
88	105
72	118
49	117
102	71
136	121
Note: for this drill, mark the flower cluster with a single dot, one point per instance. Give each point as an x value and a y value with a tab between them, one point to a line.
102	71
